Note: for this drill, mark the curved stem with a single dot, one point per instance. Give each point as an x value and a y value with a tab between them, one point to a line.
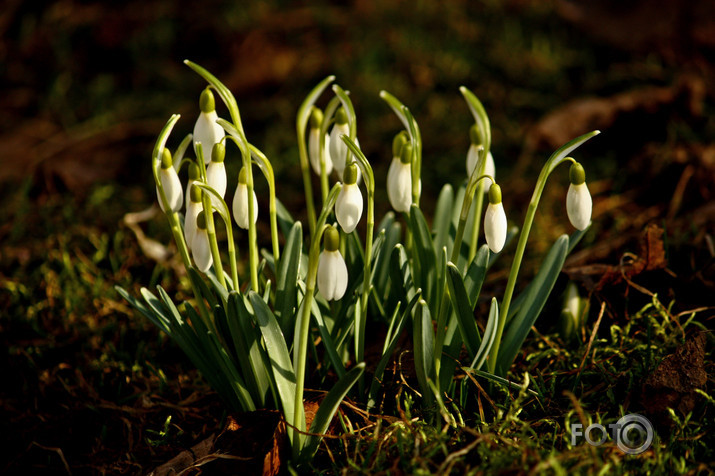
265	165
556	158
304	331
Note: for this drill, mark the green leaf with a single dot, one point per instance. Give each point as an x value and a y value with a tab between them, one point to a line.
533	303
327	339
465	315
425	255
399	272
159	320
327	409
279	357
423	336
380	269
285	220
286	294
476	273
200	284
391	340
443	220
490	333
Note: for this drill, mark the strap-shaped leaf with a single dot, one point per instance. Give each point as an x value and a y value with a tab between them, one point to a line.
391	340
399	273
534	301
380	269
490	332
327	409
280	359
442	224
327	339
476	273
159	320
285	220
423	336
463	308
425	260
289	267
200	284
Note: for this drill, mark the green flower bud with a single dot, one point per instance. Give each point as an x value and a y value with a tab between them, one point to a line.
331	238
201	220
400	139
194	172
341	117
207	103
218	153
196	194
495	194
577	174
474	135
406	153
350	174
166	161
316	118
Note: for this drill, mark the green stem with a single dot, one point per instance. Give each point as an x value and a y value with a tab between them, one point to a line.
208	213
556	158
265	165
304	331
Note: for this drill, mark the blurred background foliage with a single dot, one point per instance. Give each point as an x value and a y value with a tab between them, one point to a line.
87	85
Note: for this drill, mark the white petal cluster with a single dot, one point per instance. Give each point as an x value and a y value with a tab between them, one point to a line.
473	156
399	185
495	220
338	148
208	133
314	151
190	228
171	184
348	207
216	179
579	205
201	250
240	206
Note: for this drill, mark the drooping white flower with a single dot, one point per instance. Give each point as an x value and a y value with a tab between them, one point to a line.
348	205
194	175
399	180
495	220
316	118
206	131
192	212
240	202
332	271
473	155
338	149
201	250
170	183
216	172
578	199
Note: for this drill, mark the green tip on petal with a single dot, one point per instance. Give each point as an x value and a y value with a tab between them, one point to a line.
350	174
201	220
195	194
218	153
316	118
331	238
406	153
577	174
194	172
341	117
495	194
401	138
474	135
207	103
166	161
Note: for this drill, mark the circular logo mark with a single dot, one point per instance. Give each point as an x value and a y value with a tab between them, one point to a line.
634	434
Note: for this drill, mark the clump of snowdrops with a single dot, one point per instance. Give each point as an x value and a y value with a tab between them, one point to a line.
309	303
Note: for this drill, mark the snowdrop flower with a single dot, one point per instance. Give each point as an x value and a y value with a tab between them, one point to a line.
332	271
473	155
495	220
193	209
348	206
202	250
578	198
240	202
316	118
216	172
399	180
194	175
401	138
206	131
338	149
170	183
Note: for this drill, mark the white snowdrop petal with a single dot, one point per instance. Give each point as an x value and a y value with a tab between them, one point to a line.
172	189
473	156
348	207
190	228
202	251
332	275
579	206
314	151
208	133
240	206
399	186
495	227
338	149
